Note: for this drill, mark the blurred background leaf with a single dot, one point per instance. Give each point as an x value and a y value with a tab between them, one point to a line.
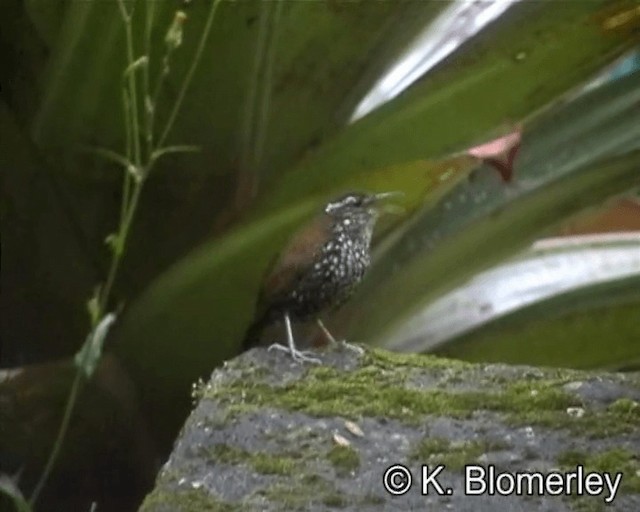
572	157
561	299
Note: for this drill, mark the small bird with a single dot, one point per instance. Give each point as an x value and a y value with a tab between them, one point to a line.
318	269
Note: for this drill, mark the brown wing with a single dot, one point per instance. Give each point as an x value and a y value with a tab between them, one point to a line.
294	259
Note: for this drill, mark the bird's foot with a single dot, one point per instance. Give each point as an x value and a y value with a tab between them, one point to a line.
299	356
350	346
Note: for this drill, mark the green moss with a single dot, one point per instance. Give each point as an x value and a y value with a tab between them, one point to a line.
299	494
621	417
587	504
370	391
312	479
454	455
262	462
335	501
625	407
227	454
301	486
371	499
192	500
383	387
344	459
610	461
386	359
268	464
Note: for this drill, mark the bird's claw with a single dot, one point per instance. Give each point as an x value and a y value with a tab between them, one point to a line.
300	356
350	346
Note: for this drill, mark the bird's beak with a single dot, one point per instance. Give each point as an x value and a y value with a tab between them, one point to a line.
389	208
387	195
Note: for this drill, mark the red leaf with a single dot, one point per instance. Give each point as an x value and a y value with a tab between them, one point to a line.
500	153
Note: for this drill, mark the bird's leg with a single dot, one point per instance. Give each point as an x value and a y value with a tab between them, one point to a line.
358	350
300	356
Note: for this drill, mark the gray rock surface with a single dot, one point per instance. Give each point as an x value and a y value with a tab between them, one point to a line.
271	434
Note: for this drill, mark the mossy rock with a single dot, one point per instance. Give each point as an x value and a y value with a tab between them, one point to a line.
271	434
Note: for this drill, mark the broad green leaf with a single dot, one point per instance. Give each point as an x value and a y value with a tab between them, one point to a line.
573	157
592	327
507	73
564	302
310	72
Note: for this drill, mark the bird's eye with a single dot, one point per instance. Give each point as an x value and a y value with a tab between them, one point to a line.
354	201
345	201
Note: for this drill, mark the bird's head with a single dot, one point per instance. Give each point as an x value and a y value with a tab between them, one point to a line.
357	210
357	202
